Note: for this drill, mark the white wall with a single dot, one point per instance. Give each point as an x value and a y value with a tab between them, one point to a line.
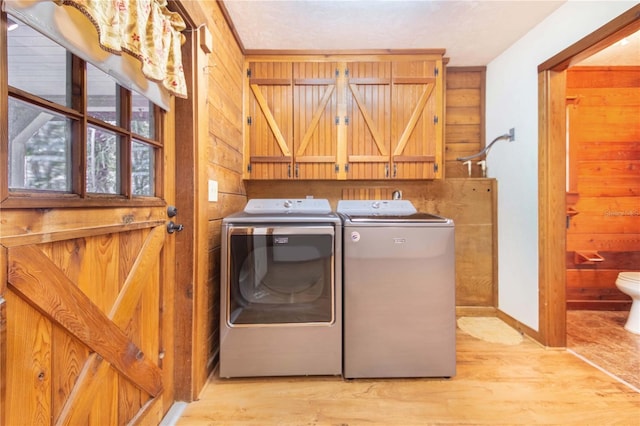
511	102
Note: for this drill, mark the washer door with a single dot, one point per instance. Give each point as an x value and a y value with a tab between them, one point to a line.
281	275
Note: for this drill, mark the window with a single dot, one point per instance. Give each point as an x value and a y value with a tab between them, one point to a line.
74	132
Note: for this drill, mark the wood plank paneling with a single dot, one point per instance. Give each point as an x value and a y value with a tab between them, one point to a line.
222	109
464	125
604	137
369	129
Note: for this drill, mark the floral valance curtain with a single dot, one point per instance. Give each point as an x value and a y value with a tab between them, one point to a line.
145	29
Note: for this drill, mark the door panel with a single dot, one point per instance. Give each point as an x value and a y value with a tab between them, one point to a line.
270	127
369	130
417	120
315	113
92	354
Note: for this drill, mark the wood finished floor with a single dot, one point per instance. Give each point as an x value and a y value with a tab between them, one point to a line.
521	384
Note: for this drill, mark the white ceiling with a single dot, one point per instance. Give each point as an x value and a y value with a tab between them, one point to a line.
473	32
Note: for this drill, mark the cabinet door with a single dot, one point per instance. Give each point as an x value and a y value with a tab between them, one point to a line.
269	121
416	117
369	127
315	110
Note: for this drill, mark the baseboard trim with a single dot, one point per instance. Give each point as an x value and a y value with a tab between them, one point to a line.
476	311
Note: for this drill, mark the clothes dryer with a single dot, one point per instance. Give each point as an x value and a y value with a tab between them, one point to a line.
281	290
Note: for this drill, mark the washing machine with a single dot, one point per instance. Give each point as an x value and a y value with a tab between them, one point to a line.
281	289
399	291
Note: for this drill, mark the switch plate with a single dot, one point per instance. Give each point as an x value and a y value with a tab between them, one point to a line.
213	190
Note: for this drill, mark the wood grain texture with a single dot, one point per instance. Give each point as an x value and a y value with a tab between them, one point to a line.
464	122
520	384
604	165
65	304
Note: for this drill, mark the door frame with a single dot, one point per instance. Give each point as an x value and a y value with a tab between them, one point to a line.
192	355
552	160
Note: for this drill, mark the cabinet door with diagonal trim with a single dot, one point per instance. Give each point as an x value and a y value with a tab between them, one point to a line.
269	121
369	127
417	119
315	111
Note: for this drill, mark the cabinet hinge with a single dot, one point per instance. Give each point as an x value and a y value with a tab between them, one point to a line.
249	120
346	72
435	167
346	121
249	72
435	119
337	120
346	168
436	71
249	167
337	168
337	73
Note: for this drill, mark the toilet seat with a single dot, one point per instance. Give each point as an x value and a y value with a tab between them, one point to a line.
629	277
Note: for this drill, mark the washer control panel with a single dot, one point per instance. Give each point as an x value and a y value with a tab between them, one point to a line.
288	205
376	207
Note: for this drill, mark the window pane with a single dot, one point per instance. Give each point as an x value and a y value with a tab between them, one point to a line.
103	100
39	148
142	119
103	165
142	169
29	55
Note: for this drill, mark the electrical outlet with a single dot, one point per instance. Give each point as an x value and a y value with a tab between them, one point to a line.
512	134
213	190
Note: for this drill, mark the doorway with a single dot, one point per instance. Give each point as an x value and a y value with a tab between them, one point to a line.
552	80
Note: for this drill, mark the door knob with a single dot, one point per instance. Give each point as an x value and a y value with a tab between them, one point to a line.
172	211
173	227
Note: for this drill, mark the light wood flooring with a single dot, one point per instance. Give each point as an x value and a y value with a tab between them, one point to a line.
520	384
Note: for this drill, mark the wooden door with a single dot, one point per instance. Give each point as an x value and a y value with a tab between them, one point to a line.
318	109
417	121
86	310
369	127
269	121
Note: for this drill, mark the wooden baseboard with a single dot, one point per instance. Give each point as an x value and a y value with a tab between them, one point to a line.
598	305
475	311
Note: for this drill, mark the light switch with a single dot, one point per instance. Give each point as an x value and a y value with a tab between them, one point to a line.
213	190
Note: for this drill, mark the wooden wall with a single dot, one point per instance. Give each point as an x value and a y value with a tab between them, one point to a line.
224	163
221	126
464	119
604	184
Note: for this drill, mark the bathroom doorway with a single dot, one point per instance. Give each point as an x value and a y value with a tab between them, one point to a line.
553	171
603	195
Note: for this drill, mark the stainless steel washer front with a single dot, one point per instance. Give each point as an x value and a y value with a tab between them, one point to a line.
281	295
399	291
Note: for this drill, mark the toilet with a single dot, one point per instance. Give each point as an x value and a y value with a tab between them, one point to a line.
629	284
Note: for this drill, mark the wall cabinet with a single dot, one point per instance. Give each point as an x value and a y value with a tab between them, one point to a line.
344	117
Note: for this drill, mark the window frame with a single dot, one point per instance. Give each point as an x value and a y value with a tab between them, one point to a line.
77	113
